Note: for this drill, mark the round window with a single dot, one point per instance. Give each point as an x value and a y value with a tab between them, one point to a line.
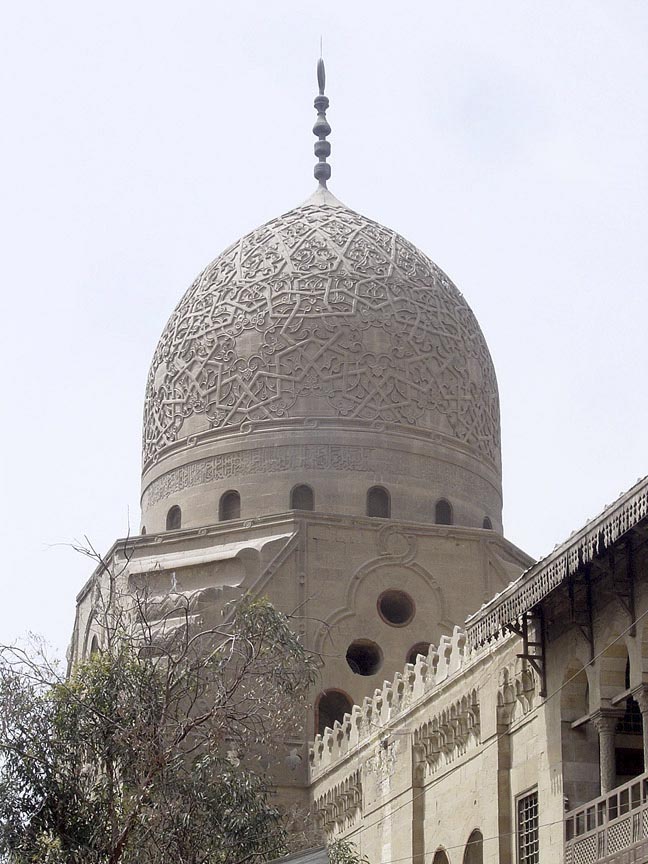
396	607
364	657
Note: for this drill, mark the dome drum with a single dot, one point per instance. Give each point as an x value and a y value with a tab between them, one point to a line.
339	464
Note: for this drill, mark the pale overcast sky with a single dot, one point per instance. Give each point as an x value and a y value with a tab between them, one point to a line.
508	140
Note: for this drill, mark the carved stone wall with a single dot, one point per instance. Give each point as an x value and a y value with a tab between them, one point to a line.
322	313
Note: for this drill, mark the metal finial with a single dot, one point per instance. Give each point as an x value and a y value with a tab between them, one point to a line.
322	129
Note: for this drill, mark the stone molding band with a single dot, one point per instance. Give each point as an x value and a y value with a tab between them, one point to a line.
334	424
289	457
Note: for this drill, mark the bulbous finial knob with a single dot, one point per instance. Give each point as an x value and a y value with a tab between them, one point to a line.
322	129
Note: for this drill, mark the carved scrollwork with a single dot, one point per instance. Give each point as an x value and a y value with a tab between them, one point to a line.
322	312
397	544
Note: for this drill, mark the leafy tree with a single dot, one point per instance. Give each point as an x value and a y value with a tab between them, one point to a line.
345	852
150	750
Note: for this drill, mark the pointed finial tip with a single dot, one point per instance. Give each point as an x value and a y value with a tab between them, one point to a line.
321	76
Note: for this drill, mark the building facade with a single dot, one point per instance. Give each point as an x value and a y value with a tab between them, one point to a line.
321	427
521	738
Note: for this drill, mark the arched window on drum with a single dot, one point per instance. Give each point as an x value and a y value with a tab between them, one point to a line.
174	518
302	498
229	506
378	503
443	512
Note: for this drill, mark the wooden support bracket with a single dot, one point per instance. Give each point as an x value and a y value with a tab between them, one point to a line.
533	649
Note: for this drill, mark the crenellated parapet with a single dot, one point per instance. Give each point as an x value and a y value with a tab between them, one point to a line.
441	663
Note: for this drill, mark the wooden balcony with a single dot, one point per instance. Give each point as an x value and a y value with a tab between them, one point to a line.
612	829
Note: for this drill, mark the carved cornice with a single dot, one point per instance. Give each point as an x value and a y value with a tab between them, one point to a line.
340	807
447	735
542	578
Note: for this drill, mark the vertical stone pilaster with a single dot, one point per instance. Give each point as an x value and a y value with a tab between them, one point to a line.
505	823
418	805
640	695
605	721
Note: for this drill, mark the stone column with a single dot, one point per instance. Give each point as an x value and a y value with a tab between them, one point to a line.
640	695
605	721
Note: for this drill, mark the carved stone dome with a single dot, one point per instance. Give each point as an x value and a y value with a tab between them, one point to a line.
319	326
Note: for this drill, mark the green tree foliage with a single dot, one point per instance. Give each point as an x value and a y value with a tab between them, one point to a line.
152	749
345	852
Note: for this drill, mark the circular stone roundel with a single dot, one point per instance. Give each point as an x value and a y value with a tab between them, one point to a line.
322	313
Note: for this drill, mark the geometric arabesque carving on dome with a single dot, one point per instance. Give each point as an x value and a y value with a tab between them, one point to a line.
322	313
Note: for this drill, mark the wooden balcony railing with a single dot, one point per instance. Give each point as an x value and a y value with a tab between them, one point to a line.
611	828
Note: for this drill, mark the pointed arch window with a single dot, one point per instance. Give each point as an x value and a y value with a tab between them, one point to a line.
487	524
474	853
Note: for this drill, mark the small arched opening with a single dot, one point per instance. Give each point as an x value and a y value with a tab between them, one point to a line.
378	502
302	498
474	852
229	506
94	646
487	523
420	648
443	512
143	531
440	857
331	705
174	518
